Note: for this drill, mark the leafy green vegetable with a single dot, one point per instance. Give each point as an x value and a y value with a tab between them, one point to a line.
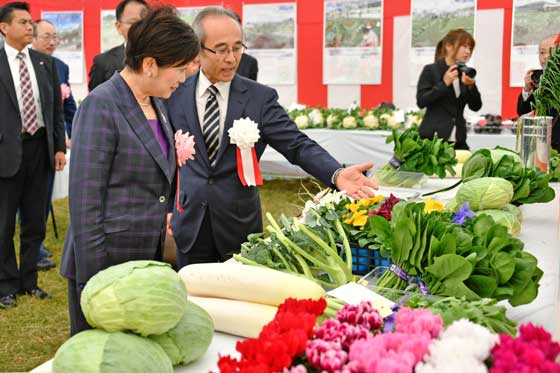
190	338
547	96
485	193
144	296
415	155
475	260
554	167
484	312
97	351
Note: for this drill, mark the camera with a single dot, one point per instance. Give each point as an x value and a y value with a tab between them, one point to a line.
536	76
464	69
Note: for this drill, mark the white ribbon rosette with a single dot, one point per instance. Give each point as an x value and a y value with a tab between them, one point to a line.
245	133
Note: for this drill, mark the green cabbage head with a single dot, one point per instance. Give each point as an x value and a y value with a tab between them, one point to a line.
508	219
98	351
485	193
144	296
190	339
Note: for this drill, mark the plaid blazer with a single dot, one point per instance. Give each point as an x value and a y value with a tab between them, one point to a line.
120	183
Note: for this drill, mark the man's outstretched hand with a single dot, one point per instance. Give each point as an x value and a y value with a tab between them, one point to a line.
353	181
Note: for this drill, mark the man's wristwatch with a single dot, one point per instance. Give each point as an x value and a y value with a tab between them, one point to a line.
335	176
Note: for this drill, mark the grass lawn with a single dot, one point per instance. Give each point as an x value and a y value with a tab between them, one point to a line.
33	331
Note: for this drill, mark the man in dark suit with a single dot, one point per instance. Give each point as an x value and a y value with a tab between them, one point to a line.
218	212
31	142
248	67
526	98
45	41
105	64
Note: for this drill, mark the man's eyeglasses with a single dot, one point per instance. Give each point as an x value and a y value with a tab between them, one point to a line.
48	37
224	51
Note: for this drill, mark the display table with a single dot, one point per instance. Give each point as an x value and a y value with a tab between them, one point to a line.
355	146
540	233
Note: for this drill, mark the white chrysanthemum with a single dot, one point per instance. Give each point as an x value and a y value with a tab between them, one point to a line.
244	133
331	120
302	121
295	106
316	117
371	121
349	122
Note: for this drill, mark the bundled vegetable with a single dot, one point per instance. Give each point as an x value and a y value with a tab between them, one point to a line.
472	257
484	312
297	249
530	185
413	154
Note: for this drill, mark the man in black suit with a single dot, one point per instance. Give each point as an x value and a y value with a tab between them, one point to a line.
248	65
526	98
105	64
32	140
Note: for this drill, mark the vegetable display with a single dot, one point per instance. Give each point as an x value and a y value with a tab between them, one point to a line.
413	154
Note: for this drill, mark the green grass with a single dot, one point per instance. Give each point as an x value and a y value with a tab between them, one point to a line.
33	331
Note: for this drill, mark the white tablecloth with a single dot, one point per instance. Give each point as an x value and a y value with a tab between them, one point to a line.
540	231
354	147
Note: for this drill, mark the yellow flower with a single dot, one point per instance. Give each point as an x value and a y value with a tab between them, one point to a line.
432	205
366	202
359	219
353	206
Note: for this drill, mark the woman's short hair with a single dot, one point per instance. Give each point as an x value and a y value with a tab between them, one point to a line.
162	35
456	37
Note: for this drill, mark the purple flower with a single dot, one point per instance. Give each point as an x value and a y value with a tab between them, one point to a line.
463	213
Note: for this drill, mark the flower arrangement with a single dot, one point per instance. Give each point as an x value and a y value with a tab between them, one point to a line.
353	118
184	151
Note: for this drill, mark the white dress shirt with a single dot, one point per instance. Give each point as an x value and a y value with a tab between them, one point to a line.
202	96
526	94
12	53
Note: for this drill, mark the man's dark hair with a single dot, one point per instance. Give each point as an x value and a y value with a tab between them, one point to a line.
124	3
7	11
150	37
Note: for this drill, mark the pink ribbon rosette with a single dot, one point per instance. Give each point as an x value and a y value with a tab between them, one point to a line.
65	91
184	149
245	133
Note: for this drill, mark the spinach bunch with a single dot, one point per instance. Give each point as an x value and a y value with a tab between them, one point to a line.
484	312
530	185
478	259
414	154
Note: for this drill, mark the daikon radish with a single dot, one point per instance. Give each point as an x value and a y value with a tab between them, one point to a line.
244	319
247	283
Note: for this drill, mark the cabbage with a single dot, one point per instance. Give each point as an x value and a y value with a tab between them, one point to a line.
97	351
190	339
498	153
516	211
485	193
504	218
146	297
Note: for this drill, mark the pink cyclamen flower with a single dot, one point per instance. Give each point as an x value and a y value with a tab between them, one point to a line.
296	369
184	146
65	91
418	321
362	314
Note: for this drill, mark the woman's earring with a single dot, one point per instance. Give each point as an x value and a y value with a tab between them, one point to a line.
149	74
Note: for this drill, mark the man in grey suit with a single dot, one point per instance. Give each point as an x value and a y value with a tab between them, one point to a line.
32	140
218	211
105	64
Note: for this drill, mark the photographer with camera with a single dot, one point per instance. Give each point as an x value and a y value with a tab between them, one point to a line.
446	86
533	77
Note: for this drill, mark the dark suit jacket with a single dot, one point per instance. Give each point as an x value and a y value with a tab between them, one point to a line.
443	109
235	210
120	183
248	67
11	121
104	65
69	103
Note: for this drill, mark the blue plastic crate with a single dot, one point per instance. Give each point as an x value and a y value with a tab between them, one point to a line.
365	260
